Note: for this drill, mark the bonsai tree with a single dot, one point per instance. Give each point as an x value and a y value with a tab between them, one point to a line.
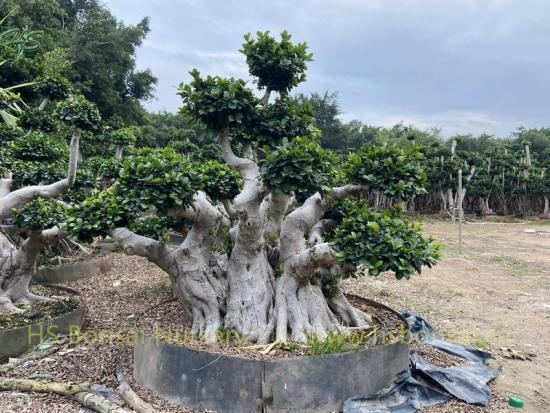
270	232
28	219
123	137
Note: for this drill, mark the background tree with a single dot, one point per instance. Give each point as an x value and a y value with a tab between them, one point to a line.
99	48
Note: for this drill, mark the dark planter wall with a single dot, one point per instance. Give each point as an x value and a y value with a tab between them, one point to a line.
228	384
74	270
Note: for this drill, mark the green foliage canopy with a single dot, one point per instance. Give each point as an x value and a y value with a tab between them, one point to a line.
381	241
278	65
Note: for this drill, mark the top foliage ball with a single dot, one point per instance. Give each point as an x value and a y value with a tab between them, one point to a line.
219	103
278	65
78	112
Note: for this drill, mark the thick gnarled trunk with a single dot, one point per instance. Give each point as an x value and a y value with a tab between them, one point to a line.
196	275
301	306
249	274
17	262
17	266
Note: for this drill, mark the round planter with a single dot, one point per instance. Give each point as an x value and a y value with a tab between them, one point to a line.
19	340
74	270
229	384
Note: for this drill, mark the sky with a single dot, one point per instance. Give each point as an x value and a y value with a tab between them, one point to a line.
465	66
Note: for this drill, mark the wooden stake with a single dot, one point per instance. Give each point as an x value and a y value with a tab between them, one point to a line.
460	211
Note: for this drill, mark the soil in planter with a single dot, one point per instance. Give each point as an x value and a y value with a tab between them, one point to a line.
169	323
57	257
38	312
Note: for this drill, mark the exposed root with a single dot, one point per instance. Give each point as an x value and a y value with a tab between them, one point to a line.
305	311
202	301
346	312
30	298
7	307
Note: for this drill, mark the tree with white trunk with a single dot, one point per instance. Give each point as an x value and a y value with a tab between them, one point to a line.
269	233
28	221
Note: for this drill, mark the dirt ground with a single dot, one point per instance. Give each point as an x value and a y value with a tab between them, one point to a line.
495	295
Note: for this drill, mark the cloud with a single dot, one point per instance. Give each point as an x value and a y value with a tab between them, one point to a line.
464	65
450	122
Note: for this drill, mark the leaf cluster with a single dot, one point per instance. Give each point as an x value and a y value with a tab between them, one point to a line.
52	87
380	241
38	147
37	120
219	103
218	180
39	214
158	179
278	65
301	166
78	112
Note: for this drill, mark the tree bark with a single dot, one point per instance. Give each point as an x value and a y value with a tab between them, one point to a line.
17	266
20	197
301	306
118	151
196	275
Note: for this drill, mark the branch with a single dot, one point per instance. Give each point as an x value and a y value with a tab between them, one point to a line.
13	363
276	211
317	231
5	184
299	222
245	166
73	156
78	392
43	104
134	244
230	209
206	220
20	197
37	240
265	98
347	191
130	396
304	265
247	151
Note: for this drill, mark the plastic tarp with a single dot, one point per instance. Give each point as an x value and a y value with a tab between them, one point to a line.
427	385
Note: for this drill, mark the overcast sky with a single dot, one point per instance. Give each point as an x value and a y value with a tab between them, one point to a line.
466	66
